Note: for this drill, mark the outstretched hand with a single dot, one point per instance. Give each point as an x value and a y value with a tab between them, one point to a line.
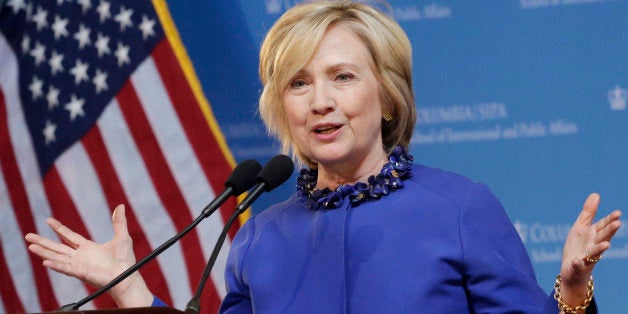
586	243
93	263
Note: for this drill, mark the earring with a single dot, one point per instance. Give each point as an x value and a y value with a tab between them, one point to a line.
387	116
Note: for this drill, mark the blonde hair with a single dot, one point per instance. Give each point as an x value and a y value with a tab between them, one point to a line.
292	41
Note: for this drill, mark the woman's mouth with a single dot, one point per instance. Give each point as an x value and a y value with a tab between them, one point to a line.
326	129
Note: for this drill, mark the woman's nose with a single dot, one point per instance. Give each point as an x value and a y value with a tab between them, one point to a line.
322	102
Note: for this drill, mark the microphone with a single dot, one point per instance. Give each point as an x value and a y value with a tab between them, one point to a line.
275	172
240	181
242	178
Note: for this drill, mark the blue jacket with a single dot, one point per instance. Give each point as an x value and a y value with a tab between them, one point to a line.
441	244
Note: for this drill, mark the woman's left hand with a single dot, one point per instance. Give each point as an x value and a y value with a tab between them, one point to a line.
584	247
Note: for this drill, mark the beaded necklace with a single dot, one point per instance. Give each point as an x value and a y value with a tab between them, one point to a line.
390	179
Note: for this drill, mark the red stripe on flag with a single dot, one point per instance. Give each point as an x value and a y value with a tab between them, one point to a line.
64	209
114	193
207	150
8	293
165	184
22	206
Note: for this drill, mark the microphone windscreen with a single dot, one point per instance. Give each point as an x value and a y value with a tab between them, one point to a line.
277	171
243	176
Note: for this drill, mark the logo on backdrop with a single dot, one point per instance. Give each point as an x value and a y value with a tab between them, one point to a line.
408	13
535	4
617	98
483	121
427	12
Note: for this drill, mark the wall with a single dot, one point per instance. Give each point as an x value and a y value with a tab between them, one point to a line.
526	96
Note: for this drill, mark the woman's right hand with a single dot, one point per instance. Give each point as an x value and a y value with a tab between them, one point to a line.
93	263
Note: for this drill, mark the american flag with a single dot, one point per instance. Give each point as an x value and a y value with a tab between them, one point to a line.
99	105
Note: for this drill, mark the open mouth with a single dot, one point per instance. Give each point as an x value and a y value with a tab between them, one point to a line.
326	129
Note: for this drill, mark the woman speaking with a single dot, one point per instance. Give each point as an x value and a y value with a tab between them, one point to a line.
367	230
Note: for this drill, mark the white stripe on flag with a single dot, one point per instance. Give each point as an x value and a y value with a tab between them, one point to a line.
145	202
15	253
182	161
81	181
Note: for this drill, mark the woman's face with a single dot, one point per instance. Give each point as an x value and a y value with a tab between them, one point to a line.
332	105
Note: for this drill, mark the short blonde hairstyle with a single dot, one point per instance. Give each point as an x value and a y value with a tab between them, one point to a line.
291	43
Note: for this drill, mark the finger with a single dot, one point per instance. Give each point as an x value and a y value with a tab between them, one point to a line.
587	261
579	266
118	220
68	236
48	244
63	268
608	232
588	210
602	223
581	270
49	255
597	250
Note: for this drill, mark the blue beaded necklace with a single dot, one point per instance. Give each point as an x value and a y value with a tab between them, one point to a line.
390	179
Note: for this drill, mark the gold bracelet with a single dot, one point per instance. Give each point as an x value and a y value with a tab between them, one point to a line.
563	307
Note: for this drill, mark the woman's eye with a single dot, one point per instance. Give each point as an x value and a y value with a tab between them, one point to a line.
297	83
344	76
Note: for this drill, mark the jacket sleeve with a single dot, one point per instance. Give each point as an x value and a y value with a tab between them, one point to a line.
238	298
498	272
157	302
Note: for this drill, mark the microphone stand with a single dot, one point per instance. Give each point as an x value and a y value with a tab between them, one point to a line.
275	173
241	179
194	305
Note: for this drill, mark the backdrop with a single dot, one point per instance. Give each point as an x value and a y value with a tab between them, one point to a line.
527	96
100	104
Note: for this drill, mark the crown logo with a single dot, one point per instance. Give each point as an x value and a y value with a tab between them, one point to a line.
617	98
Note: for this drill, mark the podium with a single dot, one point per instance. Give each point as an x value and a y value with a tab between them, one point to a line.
134	310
